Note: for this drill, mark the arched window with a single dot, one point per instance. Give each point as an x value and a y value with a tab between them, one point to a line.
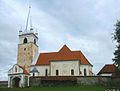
15	69
34	41
80	72
57	72
46	71
25	40
85	72
24	49
72	72
33	74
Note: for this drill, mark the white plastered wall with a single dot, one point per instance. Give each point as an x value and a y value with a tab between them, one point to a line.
30	38
14	71
64	67
88	70
106	74
42	70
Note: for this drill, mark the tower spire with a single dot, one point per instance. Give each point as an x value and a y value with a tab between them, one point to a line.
29	21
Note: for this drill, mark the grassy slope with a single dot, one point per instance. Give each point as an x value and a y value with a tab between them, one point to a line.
72	88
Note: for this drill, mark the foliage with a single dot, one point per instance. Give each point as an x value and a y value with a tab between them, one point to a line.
116	37
115	83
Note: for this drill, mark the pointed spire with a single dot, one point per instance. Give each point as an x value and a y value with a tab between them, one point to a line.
29	21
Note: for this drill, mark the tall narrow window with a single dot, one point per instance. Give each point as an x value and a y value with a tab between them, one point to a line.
25	40
34	41
85	72
72	72
15	69
33	74
80	72
46	71
57	72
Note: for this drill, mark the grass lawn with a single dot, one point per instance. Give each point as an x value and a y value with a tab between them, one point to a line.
66	88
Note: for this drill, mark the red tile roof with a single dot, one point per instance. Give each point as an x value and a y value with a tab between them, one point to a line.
64	54
108	69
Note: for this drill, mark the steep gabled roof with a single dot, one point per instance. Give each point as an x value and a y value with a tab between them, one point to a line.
21	67
108	69
64	49
34	70
64	54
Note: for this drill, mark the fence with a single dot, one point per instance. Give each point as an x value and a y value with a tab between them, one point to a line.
3	83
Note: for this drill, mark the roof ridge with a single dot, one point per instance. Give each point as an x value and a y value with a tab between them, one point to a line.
63	54
65	48
47	52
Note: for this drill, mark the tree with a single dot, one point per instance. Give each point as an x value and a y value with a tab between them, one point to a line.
116	37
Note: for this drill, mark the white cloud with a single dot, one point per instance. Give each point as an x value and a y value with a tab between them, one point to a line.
84	43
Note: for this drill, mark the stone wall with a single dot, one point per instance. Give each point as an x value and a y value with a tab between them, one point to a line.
81	80
52	81
93	80
26	53
35	81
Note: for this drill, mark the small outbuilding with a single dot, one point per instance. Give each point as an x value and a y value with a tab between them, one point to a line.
108	70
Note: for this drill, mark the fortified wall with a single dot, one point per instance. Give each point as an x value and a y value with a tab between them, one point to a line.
88	80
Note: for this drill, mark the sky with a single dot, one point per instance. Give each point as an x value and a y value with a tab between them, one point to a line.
85	25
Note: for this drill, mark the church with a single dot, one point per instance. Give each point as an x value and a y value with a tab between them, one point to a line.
31	63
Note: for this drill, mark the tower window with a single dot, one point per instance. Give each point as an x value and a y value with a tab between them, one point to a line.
72	72
57	72
25	40
34	41
24	49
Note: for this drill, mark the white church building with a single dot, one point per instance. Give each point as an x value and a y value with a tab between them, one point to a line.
31	63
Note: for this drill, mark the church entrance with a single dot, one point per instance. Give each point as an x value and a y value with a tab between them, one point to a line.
15	82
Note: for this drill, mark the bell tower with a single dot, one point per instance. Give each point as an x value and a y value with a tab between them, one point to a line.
28	45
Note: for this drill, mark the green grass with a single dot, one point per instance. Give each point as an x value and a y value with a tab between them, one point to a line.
66	88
